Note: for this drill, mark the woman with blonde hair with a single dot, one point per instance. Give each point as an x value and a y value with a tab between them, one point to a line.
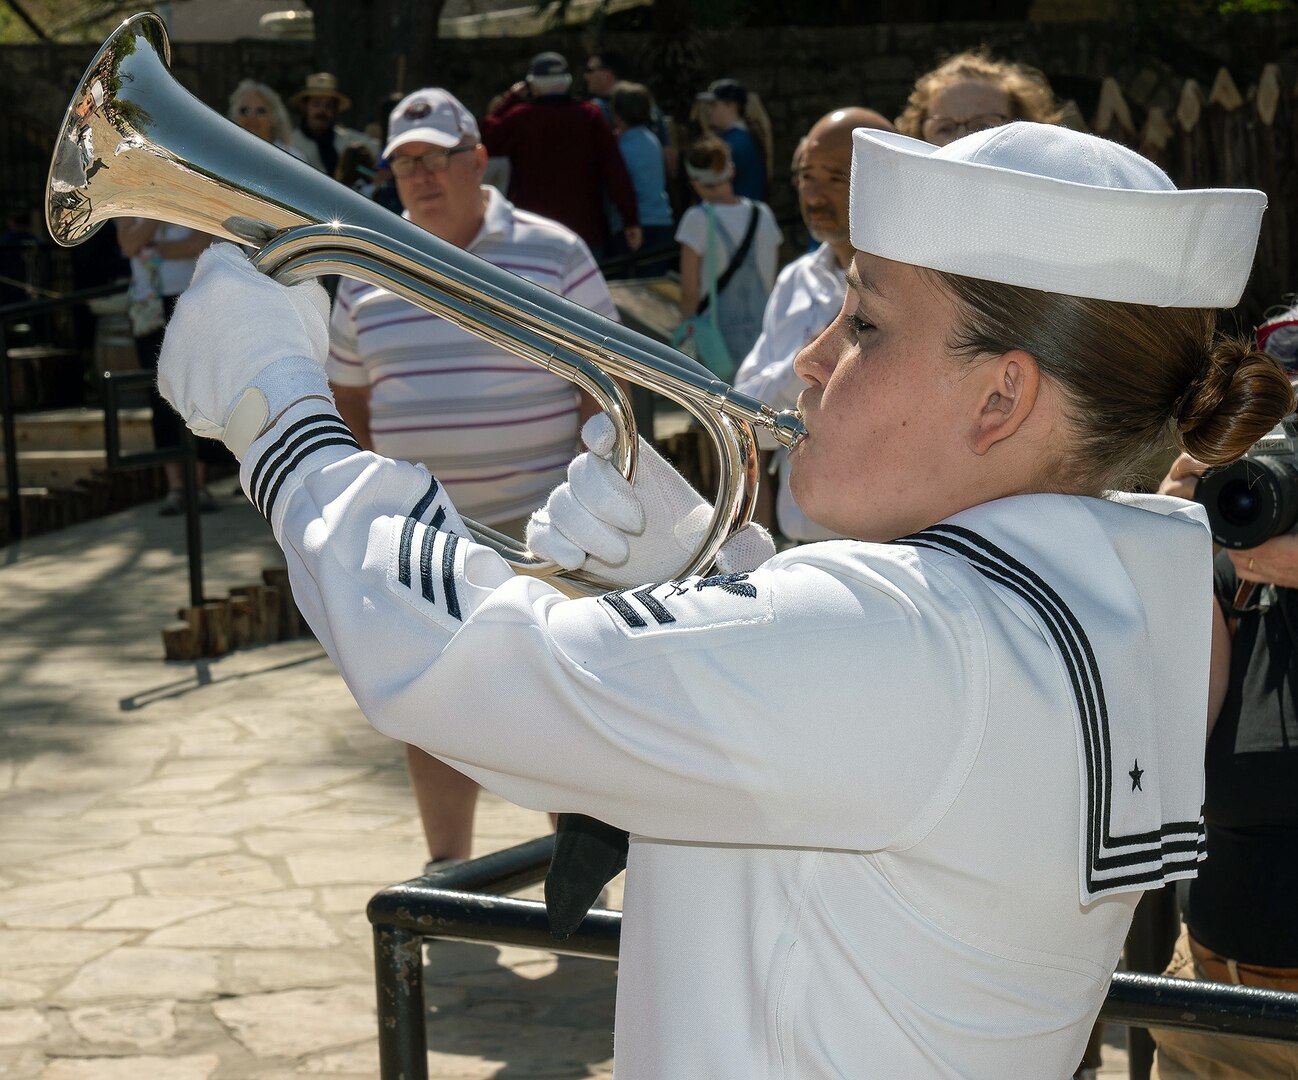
972	91
892	799
255	107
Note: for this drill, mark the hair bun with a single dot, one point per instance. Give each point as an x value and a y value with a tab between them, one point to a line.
1239	396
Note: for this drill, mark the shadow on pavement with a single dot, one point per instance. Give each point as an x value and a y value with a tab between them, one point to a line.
541	1016
202	677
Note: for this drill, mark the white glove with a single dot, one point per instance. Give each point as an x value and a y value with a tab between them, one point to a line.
631	535
241	348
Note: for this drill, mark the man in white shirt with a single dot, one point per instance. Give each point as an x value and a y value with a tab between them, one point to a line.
498	430
809	291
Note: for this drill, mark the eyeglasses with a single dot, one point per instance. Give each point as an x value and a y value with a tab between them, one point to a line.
253	110
433	161
810	178
945	129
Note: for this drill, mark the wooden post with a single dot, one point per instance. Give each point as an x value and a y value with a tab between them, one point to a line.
1112	115
243	618
1070	116
1224	92
290	619
1189	110
264	630
1156	136
216	628
268	612
180	642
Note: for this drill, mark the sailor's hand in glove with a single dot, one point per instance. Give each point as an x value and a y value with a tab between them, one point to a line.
241	348
632	534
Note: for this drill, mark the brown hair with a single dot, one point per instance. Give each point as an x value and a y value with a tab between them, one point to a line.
1029	92
1137	380
708	153
631	103
759	127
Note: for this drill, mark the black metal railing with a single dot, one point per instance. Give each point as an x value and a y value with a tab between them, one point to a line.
465	903
627	264
116	383
8	314
114	386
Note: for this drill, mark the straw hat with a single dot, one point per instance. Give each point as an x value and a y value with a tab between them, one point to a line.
322	84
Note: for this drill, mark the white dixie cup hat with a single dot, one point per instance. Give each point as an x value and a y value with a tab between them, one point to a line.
1053	209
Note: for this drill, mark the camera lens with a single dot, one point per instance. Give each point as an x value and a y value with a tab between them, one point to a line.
1237	504
1250	501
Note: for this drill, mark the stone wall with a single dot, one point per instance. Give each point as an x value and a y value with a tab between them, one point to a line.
800	73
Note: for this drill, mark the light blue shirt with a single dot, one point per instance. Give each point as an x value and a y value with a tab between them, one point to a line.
643	154
750	167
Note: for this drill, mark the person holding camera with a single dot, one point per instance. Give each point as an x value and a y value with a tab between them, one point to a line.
1238	922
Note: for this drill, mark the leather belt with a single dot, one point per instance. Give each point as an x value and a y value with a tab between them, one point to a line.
1220	968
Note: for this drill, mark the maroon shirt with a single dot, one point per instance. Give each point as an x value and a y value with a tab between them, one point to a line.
563	159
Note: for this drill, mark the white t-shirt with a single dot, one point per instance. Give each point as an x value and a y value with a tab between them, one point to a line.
172	274
733	218
878	793
497	429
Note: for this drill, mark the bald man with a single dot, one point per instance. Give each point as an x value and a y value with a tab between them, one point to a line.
809	291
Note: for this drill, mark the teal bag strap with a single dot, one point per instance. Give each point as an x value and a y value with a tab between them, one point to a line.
711	215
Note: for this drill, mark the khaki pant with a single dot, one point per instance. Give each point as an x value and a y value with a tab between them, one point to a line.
1189	1055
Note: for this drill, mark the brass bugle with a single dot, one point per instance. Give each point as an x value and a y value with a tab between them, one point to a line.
135	143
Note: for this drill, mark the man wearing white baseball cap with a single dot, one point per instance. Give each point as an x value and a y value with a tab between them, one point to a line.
893	799
497	430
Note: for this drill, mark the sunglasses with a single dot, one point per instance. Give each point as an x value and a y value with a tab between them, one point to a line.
253	110
433	161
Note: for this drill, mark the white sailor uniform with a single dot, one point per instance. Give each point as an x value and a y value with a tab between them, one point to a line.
891	805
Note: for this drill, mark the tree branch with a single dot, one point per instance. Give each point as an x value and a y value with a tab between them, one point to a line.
27	20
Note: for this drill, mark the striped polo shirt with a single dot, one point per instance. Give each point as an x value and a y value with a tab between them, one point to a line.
497	430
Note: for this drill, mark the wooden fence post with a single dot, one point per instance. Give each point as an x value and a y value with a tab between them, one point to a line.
1112	114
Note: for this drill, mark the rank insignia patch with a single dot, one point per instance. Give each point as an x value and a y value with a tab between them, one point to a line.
689	604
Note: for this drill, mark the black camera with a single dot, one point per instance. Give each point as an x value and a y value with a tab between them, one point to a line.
1255	498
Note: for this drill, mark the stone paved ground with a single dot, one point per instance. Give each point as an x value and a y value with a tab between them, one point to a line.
186	850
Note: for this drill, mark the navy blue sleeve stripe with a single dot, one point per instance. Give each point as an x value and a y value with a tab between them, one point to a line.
274	452
289	452
426	564
301	456
283	449
291	456
408	529
448	574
